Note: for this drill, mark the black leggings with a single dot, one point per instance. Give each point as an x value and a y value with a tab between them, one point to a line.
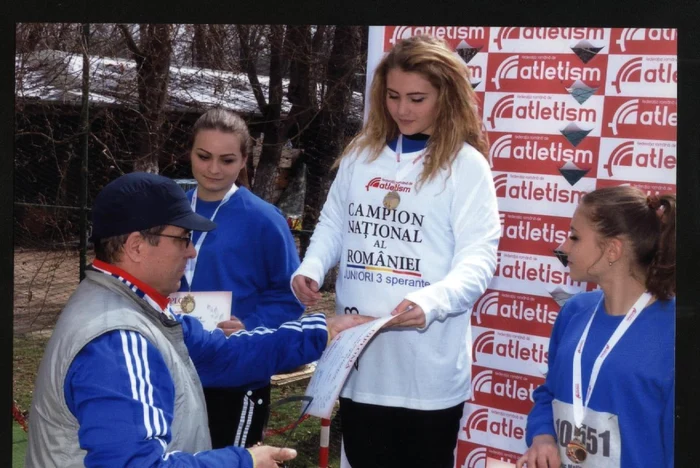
386	437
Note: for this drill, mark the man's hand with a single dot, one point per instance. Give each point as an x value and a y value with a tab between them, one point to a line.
543	453
266	456
339	323
306	290
231	326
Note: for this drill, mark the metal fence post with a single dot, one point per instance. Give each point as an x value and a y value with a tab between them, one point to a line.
85	122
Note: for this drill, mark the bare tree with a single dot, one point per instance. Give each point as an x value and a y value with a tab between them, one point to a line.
30	37
327	134
320	71
209	46
152	56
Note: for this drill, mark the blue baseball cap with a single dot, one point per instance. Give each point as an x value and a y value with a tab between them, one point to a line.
139	201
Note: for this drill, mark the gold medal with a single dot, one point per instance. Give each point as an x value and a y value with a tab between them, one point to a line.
576	451
187	304
391	200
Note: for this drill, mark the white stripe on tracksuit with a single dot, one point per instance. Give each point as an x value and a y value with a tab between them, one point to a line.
247	410
135	354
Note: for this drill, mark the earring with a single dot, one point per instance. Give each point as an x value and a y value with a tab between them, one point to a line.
610	263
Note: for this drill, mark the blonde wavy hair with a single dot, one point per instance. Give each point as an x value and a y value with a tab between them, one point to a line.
457	119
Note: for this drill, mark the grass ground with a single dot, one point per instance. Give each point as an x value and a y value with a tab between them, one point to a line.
305	439
19	445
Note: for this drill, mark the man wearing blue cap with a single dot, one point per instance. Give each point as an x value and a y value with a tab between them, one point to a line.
120	383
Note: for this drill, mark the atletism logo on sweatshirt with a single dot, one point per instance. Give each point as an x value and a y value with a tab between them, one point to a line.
387	184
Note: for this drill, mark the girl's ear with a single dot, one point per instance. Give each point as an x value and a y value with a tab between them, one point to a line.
614	249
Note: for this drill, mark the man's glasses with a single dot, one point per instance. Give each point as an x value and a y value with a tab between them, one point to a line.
187	237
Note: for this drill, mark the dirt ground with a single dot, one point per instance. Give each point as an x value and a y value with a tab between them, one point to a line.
43	282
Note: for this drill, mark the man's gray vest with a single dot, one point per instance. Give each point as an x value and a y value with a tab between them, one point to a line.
100	304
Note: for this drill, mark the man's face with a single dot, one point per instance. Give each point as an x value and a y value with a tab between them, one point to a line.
164	264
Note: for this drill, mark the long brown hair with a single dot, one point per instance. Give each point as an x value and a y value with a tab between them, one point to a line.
226	121
649	222
457	120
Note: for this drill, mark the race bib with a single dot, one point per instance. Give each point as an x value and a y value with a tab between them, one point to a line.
600	435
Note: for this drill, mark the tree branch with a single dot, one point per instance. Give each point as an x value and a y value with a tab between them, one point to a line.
248	64
129	39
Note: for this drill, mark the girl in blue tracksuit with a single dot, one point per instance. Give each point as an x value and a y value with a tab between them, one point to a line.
251	253
608	399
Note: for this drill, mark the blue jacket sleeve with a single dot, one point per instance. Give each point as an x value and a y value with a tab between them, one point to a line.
276	303
253	355
541	418
668	422
120	391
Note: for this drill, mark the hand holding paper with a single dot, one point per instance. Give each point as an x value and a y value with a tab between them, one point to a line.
339	323
337	360
408	314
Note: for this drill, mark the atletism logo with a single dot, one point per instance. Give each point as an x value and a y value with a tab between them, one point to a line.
533	228
621	156
502	424
631	35
502	109
478	421
486	305
626	114
495	308
505	385
555	109
501	183
441	32
477	458
546	35
653	158
484	344
508	69
536	190
650	71
654	119
387	184
629	72
544	68
482	382
536	148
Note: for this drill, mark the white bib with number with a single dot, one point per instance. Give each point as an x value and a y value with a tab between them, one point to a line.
600	434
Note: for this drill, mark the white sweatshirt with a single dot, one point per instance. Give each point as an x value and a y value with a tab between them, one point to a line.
437	248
